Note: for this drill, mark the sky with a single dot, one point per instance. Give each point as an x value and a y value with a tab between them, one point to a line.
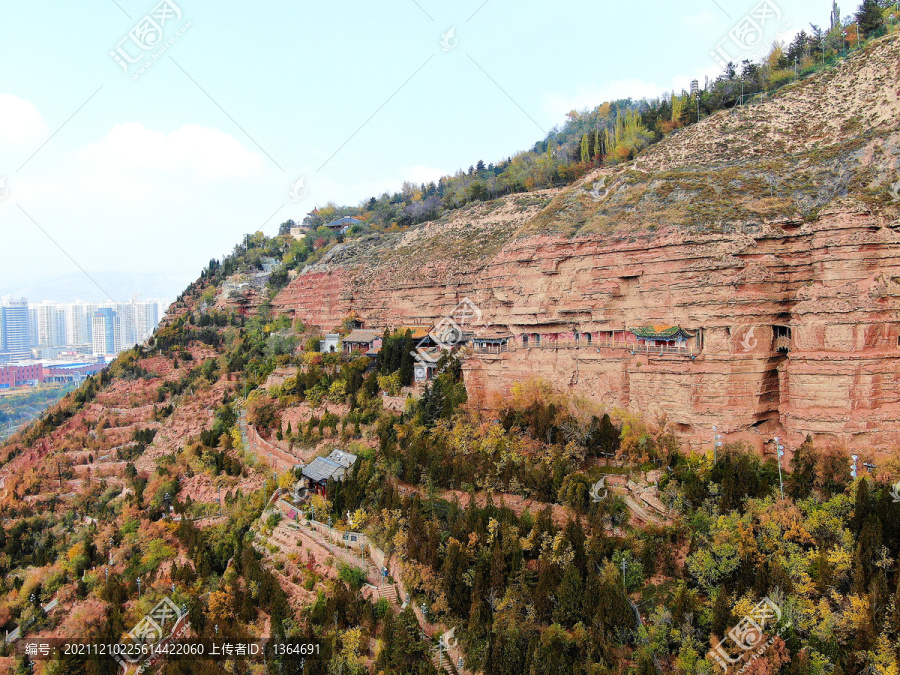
141	139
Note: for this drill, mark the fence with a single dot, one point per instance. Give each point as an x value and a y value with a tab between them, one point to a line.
820	63
490	348
636	347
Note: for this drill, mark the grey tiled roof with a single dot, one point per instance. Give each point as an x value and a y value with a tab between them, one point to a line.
363	335
345	459
333	466
321	469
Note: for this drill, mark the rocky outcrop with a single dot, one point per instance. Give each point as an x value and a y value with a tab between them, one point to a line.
795	299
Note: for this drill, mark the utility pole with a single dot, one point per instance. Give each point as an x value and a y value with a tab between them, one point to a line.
780	448
717	443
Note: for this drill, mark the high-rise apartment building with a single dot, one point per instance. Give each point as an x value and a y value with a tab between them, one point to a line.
106	330
15	338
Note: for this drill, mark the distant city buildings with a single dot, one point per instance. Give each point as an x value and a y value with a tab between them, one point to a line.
75	330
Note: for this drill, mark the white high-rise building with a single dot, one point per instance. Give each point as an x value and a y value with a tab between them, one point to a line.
146	318
78	323
51	328
32	326
15	341
107	332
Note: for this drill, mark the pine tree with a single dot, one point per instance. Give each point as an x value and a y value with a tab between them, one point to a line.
721	616
869	16
407	369
862	507
803	471
568	610
384	356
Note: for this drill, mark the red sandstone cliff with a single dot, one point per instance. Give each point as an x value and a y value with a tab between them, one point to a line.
779	215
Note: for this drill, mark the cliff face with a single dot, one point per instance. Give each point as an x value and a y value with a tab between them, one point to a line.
782	254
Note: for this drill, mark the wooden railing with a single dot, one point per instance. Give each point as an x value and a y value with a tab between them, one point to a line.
638	348
491	349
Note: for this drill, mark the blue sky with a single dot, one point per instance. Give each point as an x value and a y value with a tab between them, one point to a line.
157	172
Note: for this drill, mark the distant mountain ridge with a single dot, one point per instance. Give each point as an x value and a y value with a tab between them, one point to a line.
100	287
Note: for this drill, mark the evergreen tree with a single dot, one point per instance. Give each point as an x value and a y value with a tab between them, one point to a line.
869	17
803	471
406	365
384	356
568	610
862	507
721	614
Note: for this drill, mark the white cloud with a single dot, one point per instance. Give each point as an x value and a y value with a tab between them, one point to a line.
557	104
206	152
20	122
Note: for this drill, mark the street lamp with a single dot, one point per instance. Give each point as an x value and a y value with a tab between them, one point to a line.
780	448
716	444
139	586
853	471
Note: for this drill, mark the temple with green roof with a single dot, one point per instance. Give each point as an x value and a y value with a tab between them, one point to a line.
662	335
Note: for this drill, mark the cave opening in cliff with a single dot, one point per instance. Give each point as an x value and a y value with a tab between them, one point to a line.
782	338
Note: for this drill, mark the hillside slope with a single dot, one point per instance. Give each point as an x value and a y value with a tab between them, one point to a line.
774	218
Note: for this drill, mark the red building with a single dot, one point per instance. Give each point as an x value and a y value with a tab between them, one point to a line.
12	376
20	375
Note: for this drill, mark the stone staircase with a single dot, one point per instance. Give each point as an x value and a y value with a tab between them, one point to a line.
442	662
389	592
